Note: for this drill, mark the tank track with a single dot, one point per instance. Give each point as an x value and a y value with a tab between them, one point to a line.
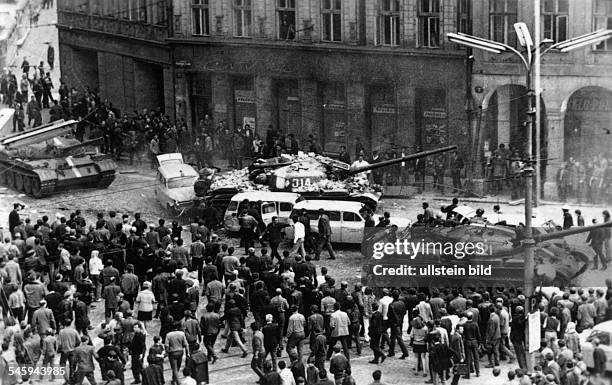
106	178
25	181
29	182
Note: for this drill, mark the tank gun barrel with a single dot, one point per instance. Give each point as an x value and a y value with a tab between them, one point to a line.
39	134
572	231
91	142
261	166
406	158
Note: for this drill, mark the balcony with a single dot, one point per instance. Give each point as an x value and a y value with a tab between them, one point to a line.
113	26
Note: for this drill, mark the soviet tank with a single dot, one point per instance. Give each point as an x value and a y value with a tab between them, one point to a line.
312	176
48	159
557	262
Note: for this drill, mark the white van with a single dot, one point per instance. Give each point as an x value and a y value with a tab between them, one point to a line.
273	204
345	219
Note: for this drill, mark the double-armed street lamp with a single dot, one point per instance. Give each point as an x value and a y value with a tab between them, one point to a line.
530	55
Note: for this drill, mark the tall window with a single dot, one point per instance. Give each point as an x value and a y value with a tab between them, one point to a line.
502	16
388	22
429	23
285	18
555	15
602	19
332	20
200	19
242	18
463	16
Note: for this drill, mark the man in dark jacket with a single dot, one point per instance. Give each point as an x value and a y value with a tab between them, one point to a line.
198	365
471	337
153	374
138	348
440	359
339	365
596	240
375	332
272	337
599	358
325	233
396	314
275	236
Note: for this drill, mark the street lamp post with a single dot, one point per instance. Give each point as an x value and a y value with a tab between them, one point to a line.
527	59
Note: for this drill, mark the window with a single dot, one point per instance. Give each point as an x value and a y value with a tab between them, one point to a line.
242	18
200	20
332	20
334	216
350	217
502	16
463	16
388	23
555	15
602	19
285	18
268	208
285	206
429	23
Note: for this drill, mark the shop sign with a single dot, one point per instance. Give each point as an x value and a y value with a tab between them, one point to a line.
245	96
593	104
334	106
435	113
293	99
384	110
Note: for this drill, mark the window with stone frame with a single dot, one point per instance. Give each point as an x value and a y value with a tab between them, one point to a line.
200	17
502	16
429	23
285	19
464	20
388	27
602	19
242	18
555	16
331	15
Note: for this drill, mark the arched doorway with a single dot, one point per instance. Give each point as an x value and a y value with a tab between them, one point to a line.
503	122
587	124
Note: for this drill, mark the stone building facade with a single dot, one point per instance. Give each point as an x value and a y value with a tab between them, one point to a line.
576	87
118	47
378	70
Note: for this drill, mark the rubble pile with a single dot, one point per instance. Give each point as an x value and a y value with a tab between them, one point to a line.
236	179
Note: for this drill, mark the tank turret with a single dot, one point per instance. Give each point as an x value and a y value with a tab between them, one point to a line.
47	159
312	176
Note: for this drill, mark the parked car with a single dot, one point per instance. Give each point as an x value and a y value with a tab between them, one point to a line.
345	218
269	204
175	179
602	331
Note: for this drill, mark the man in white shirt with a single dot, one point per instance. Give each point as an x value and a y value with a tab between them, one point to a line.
385	301
285	374
361	162
299	233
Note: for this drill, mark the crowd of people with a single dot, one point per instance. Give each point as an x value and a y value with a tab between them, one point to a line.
585	181
198	288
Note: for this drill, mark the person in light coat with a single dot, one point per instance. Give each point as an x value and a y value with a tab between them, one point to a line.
339	324
95	268
145	300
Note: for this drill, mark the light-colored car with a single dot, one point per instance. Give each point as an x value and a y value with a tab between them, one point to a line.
602	331
175	180
273	204
345	218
